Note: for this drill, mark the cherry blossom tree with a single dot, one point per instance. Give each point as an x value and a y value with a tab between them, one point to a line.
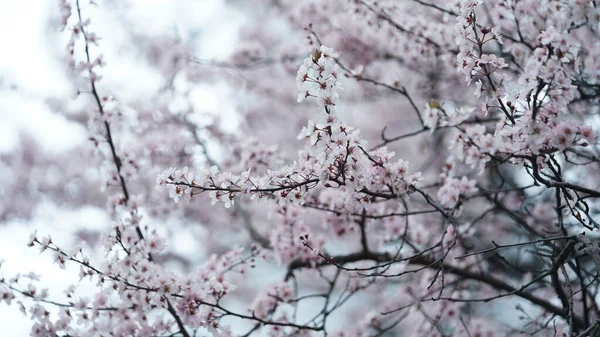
430	163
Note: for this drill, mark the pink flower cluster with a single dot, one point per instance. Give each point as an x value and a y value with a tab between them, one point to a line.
453	189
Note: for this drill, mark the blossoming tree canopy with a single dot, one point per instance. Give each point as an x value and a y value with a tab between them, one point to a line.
432	165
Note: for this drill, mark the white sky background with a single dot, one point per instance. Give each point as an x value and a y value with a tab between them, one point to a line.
31	72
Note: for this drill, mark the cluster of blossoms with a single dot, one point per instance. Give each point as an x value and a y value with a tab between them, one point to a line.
134	284
535	107
319	77
531	137
434	115
335	154
292	239
65	12
267	302
470	144
176	181
343	208
258	157
474	63
81	32
224	187
453	189
475	147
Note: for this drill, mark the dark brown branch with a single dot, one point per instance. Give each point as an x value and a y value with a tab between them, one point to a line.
432	263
